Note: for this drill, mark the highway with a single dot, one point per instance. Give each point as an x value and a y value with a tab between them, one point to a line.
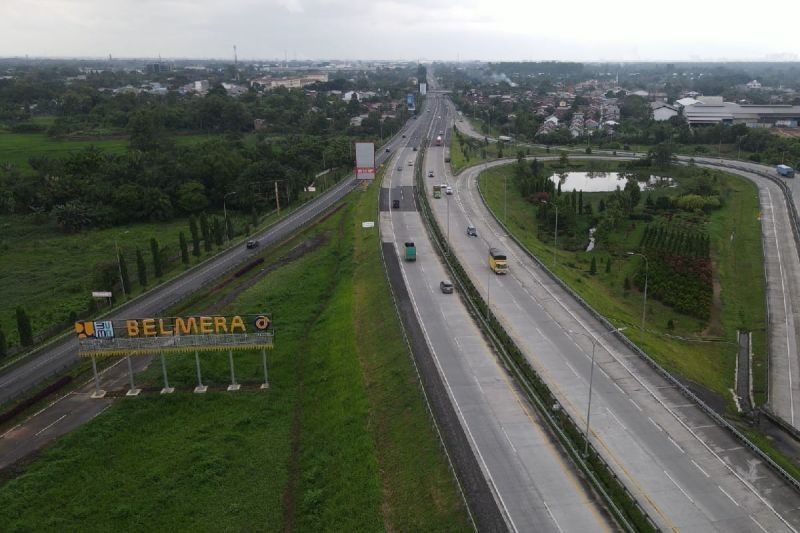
535	487
63	353
687	472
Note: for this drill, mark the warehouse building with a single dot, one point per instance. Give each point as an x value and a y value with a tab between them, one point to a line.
710	110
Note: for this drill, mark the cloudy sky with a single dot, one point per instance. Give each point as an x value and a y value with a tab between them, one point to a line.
402	29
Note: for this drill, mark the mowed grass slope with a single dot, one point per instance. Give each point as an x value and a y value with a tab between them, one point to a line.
340	442
737	267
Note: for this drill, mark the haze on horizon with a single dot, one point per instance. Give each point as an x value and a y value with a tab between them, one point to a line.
390	29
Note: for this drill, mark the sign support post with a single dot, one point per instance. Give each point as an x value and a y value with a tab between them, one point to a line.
98	392
200	389
233	386
265	385
167	389
133	391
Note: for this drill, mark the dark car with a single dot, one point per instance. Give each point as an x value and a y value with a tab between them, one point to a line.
395	204
252	244
446	286
414	149
471	231
404	136
387	150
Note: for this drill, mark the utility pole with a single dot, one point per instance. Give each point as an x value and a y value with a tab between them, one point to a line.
277	200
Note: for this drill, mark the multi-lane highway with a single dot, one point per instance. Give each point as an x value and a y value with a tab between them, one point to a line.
687	472
62	354
535	487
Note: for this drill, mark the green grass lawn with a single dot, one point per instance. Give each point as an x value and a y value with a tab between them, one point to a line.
737	266
340	442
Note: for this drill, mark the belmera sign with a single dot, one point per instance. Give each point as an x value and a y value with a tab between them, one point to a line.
174	334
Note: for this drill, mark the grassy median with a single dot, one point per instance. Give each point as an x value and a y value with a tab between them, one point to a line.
341	441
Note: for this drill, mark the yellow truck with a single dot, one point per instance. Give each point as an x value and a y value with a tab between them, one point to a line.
437	191
497	261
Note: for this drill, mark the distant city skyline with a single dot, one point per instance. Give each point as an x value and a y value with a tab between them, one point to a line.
392	30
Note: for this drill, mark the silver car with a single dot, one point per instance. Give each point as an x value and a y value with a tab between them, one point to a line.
446	286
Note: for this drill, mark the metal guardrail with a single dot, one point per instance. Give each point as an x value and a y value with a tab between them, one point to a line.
485	319
719	420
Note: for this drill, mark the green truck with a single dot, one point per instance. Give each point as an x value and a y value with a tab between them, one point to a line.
411	251
437	191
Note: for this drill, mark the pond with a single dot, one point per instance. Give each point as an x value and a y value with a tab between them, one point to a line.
605	181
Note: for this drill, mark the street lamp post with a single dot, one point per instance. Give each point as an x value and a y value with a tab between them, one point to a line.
595	340
448	222
225	212
646	270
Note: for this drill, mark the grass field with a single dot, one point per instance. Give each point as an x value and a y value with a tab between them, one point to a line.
737	267
340	442
17	148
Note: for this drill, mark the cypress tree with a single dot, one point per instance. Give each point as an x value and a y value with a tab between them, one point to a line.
184	249
123	269
608	265
229	229
24	327
602	206
580	202
217	230
627	284
195	236
593	266
254	217
156	253
141	267
206	231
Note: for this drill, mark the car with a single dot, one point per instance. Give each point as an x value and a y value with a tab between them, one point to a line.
414	149
399	167
430	173
471	231
410	163
252	243
448	190
446	286
395	204
387	150
404	136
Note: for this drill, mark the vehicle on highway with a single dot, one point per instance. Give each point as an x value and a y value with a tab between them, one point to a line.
411	251
437	191
497	261
438	140
446	286
471	231
410	163
430	173
387	150
400	167
785	171
252	243
414	149
404	136
448	190
395	204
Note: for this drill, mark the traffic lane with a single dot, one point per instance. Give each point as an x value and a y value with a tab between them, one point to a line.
63	354
491	412
516	308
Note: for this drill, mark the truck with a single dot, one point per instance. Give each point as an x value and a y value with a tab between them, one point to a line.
438	140
785	171
411	251
437	191
497	261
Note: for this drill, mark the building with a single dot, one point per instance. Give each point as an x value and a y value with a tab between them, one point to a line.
663	111
753	84
291	83
712	110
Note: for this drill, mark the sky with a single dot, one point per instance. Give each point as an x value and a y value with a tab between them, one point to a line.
579	30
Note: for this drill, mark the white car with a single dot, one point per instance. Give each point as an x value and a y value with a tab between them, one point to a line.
448	190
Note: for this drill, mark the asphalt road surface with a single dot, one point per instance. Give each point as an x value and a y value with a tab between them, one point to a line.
535	487
62	354
687	472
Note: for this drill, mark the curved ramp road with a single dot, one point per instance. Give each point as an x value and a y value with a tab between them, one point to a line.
534	486
62	354
685	470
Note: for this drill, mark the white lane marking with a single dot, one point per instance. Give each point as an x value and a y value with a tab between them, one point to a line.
551	516
636	405
785	306
655	424
509	440
10	430
675	444
679	487
759	525
617	419
620	389
729	496
572	369
699	468
62	417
